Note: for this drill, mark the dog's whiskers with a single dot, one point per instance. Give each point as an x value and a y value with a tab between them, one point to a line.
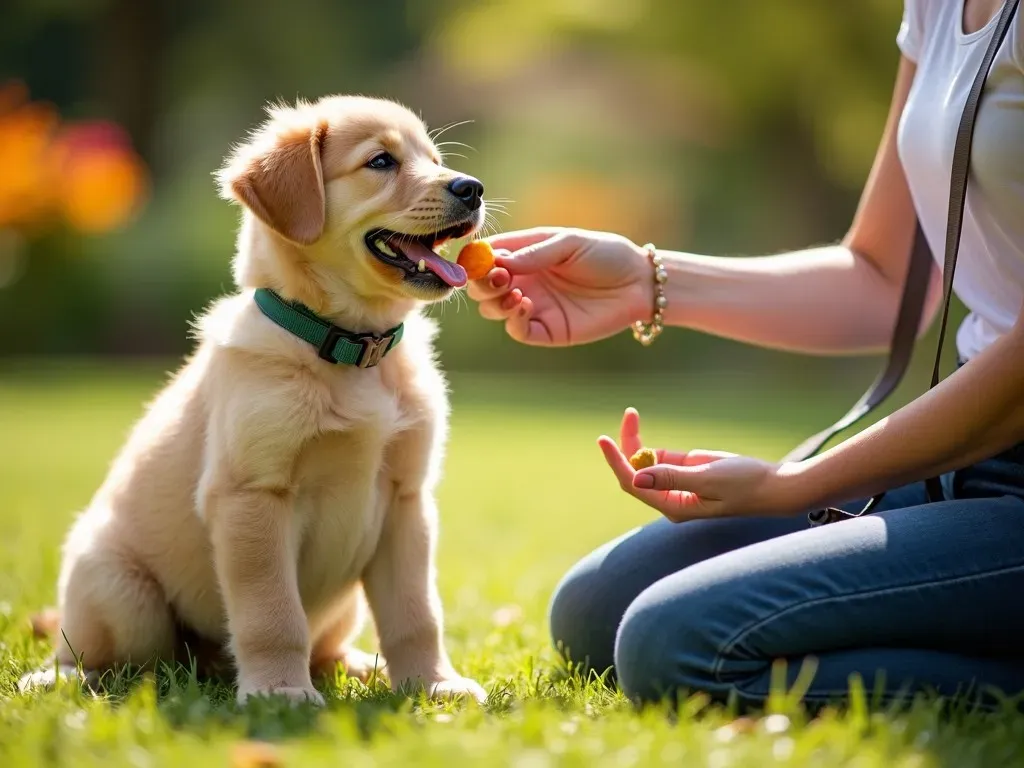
438	221
387	225
462	144
489	228
437	132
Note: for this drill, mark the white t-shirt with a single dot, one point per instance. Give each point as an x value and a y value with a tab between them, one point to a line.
989	276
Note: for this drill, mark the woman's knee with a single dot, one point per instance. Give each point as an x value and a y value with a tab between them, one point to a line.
642	656
589	603
581	619
667	645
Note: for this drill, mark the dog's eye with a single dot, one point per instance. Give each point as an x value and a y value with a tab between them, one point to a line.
382	161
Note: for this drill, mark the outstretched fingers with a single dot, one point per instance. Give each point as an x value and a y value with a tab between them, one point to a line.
674	505
629	432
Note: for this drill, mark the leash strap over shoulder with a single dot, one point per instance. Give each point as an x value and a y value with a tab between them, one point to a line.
901	348
915	287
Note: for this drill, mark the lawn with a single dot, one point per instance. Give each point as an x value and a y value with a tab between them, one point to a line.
524	495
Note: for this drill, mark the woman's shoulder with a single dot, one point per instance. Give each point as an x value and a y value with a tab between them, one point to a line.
926	9
929	25
921	19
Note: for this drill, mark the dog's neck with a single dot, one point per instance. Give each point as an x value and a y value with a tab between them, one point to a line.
271	262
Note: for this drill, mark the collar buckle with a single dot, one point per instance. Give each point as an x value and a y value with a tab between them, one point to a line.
374	348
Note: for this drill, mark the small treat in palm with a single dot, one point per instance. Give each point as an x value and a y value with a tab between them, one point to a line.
643	458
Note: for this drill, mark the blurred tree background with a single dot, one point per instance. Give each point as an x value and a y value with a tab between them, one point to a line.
734	127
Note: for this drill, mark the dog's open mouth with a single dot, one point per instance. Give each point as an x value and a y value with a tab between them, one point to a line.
417	254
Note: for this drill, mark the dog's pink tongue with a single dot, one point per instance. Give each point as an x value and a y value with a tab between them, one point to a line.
451	273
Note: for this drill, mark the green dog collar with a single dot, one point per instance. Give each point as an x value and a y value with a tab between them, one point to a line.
334	344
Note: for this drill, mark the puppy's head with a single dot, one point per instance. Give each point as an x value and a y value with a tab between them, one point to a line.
358	189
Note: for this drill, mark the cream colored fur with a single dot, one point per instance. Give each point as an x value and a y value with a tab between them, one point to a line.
266	494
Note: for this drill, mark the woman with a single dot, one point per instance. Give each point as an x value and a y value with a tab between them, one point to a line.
916	596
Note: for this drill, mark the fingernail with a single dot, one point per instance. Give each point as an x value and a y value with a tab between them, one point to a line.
643	481
498	280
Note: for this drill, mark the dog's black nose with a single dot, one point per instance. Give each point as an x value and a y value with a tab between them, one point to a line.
468	190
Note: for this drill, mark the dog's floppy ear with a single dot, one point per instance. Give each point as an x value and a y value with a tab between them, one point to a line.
282	183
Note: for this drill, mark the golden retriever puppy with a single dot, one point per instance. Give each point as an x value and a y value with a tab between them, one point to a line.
287	471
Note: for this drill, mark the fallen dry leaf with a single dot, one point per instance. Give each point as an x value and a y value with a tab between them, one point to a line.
255	754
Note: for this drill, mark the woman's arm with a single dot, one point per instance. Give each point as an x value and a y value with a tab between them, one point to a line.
973	414
561	286
842	298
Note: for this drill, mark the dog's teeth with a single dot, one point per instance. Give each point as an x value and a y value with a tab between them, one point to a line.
383	246
422	266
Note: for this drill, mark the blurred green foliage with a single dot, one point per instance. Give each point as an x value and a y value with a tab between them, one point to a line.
736	127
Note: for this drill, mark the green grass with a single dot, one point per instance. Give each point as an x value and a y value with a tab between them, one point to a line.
524	495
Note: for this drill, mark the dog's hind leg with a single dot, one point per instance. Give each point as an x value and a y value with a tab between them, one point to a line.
334	646
112	612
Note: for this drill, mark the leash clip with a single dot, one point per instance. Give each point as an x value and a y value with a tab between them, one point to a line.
826	516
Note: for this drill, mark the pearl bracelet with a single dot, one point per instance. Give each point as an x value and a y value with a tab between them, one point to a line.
646	333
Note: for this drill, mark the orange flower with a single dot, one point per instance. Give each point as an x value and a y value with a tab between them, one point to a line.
100	180
86	173
26	131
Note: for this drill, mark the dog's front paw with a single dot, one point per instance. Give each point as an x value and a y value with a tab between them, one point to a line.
457	688
296	695
48	678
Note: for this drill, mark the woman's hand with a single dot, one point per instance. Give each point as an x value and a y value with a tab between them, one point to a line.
560	287
702	484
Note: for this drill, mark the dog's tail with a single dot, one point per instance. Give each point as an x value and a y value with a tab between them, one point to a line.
46	623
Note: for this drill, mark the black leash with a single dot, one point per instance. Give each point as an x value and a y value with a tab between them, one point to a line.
915	289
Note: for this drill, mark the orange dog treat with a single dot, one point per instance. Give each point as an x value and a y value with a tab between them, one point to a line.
643	458
477	258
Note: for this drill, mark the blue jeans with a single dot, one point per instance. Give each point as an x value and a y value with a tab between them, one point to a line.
915	597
